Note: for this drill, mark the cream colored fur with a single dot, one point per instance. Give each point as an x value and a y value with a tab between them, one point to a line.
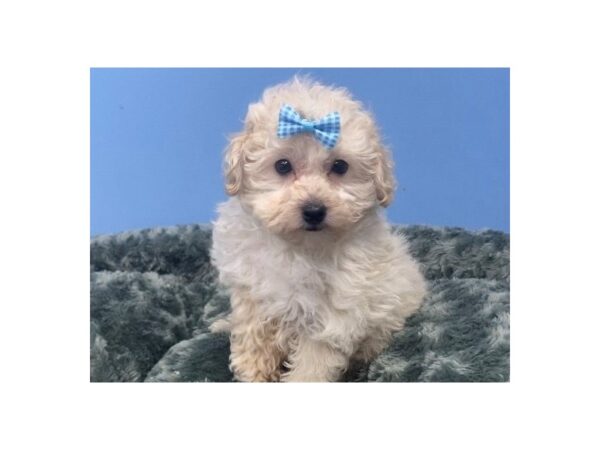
304	303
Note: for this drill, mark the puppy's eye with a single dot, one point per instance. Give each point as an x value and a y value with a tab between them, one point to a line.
339	166
283	167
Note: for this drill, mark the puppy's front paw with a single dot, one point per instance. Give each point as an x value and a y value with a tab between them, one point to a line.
314	361
248	372
253	362
302	377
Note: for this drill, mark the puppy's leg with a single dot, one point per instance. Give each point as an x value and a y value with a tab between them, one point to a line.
312	360
255	354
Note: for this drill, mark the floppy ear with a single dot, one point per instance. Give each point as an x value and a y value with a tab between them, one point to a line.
384	177
234	164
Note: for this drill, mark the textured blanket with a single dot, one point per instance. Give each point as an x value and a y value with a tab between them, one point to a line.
154	294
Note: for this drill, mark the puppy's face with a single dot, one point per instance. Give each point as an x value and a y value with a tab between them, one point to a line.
296	185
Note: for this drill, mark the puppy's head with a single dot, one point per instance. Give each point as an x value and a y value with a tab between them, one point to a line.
297	185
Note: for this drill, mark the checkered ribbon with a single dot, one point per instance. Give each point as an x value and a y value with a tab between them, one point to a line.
326	129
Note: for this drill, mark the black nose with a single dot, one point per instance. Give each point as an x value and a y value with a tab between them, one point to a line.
314	213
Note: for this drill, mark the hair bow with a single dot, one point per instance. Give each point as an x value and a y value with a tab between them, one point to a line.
326	130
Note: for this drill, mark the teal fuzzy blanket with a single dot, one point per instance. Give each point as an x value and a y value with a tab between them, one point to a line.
154	294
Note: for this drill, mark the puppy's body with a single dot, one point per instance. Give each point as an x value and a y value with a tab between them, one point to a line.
305	302
315	302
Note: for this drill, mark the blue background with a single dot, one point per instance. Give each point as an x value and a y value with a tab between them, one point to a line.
157	137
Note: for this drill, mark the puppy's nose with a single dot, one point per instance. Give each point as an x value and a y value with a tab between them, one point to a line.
314	213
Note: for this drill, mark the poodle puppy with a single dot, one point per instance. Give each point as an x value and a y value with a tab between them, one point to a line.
316	275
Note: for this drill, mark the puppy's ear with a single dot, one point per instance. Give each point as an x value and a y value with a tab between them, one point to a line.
234	163
384	176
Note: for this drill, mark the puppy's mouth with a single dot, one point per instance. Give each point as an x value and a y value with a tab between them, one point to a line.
314	227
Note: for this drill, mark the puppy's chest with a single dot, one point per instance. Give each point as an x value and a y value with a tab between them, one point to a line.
293	276
305	284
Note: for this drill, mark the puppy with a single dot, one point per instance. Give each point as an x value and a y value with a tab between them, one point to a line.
317	278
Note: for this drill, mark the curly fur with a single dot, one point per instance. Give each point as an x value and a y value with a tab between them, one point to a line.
304	304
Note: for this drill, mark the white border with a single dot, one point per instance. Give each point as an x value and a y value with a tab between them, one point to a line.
48	48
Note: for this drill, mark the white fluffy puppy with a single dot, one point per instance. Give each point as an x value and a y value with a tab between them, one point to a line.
317	278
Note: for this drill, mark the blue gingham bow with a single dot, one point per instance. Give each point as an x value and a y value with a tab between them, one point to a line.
326	130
